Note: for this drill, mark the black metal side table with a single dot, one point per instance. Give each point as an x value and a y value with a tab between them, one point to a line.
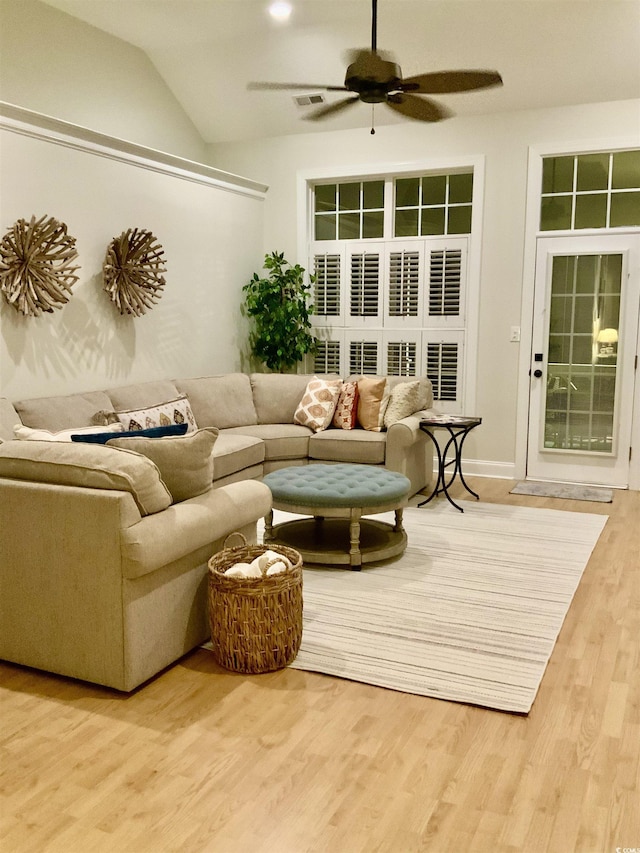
458	428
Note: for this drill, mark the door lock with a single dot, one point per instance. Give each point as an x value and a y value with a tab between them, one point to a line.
537	373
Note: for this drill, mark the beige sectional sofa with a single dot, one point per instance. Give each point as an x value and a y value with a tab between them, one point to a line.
102	575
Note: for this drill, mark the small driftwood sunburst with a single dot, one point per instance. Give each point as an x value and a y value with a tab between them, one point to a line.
36	265
133	271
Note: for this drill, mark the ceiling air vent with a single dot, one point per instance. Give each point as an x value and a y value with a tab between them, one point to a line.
307	100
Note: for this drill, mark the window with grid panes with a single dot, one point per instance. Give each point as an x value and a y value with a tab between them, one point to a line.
353	210
366	289
433	205
599	190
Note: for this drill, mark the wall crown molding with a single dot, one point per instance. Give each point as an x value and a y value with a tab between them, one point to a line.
40	126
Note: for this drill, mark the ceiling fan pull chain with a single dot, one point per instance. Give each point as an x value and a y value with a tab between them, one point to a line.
372	127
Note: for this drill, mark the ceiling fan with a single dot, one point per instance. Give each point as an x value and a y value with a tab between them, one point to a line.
376	80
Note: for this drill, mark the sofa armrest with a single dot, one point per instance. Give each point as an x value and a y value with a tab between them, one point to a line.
410	452
61	577
160	539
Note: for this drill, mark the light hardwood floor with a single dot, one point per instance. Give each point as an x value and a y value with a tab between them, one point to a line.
200	759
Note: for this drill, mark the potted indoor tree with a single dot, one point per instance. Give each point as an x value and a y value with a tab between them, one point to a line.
278	305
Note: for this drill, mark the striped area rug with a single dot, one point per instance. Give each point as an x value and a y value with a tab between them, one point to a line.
470	613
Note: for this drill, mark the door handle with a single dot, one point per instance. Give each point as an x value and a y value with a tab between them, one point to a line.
537	373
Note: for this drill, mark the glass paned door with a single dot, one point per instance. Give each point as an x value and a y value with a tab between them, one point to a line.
584	319
583	367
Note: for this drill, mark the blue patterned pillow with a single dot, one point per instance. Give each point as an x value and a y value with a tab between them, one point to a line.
152	432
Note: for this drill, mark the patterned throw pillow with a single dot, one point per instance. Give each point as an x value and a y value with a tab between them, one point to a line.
406	398
346	413
373	398
318	403
154	432
176	411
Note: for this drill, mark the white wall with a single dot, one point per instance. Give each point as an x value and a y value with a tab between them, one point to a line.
504	140
55	64
212	237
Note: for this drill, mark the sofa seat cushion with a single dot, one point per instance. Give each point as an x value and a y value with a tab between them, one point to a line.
63	412
234	452
220	401
94	466
354	445
281	441
186	527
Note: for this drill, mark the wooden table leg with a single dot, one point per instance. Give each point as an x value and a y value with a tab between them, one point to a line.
355	557
268	526
398	526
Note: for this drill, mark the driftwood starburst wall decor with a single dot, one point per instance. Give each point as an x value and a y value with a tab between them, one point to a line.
36	265
133	271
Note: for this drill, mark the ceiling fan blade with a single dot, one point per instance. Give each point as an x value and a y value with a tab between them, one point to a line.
421	109
443	82
307	86
331	109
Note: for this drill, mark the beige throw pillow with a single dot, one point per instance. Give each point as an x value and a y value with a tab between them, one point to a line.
405	399
24	433
318	403
373	398
185	462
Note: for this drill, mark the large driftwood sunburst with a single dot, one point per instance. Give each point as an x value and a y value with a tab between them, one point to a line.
133	271
36	265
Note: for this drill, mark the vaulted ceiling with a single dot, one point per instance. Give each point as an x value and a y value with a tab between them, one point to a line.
550	54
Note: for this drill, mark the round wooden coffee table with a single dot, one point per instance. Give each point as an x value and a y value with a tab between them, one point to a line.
337	497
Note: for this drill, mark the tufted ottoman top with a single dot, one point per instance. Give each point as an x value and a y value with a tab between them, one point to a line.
341	485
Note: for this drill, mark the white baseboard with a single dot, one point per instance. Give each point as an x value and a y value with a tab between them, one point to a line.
484	468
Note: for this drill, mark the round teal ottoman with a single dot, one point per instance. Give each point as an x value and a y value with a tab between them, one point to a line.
337	497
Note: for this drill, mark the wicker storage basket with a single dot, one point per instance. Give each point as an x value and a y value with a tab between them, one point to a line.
256	623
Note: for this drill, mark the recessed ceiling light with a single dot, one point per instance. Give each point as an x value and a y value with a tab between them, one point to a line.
280	10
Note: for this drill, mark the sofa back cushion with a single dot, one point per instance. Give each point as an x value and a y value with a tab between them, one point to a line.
93	466
220	401
63	412
142	394
277	395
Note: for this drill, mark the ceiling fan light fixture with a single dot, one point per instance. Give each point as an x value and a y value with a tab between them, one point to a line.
280	10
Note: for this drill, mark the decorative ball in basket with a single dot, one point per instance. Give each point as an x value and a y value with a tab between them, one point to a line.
256	622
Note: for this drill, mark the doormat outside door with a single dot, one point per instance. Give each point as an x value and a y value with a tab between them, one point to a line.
567	491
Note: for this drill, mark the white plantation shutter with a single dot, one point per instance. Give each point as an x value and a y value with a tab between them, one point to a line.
327	289
365	285
401	310
443	364
445	287
328	357
363	353
404	284
402	354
